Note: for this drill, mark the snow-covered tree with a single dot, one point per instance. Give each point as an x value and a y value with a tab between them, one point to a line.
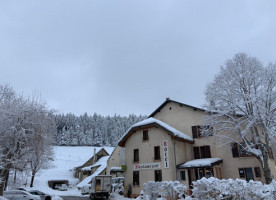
20	123
242	101
39	145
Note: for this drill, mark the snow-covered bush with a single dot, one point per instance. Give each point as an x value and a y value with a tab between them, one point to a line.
173	190
152	189
213	188
169	190
206	188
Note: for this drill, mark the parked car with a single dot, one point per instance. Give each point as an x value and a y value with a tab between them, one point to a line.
19	195
61	187
85	189
42	195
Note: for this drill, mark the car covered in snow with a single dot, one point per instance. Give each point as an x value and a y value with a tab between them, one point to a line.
61	187
85	189
3	198
42	195
19	195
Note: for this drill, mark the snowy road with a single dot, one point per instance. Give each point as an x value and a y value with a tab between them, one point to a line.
112	197
74	198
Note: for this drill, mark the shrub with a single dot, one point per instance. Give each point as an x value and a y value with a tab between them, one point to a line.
169	190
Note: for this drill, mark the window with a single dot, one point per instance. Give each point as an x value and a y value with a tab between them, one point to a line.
157	153
257	171
136	178
145	135
202	152
136	155
182	176
158	175
239	151
197	131
242	172
246	173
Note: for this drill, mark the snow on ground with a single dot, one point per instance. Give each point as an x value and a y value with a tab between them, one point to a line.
62	168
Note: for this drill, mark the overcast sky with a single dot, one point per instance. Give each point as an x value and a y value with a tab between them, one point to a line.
127	56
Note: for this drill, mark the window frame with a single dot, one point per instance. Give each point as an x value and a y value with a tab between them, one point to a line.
238	151
158	175
135	155
157	154
245	176
145	135
182	175
197	130
136	178
202	152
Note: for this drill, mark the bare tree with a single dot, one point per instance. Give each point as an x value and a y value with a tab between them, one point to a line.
242	98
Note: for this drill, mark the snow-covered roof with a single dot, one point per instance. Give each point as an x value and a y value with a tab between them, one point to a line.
204	162
102	163
98	163
169	128
108	150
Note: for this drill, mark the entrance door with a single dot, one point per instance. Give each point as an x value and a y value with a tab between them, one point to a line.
249	174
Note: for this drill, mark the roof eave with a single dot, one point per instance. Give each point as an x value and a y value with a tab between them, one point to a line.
168	100
154	124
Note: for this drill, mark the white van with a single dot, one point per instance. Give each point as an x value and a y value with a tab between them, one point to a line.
100	187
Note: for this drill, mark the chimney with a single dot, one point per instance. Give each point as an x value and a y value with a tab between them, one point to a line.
94	156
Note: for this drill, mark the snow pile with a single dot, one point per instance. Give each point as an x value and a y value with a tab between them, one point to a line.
213	188
151	120
165	189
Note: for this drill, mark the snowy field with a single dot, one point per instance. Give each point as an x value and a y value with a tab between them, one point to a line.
62	168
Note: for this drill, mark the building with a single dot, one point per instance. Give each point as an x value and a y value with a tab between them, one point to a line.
115	162
84	170
167	146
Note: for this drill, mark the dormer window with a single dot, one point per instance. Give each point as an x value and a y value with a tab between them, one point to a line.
145	135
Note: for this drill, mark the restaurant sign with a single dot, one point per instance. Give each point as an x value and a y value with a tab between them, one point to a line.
146	166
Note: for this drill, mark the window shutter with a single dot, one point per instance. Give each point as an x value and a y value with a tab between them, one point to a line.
207	152
257	171
196	153
194	131
235	151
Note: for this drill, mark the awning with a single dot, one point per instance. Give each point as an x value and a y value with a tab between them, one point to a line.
116	169
198	163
